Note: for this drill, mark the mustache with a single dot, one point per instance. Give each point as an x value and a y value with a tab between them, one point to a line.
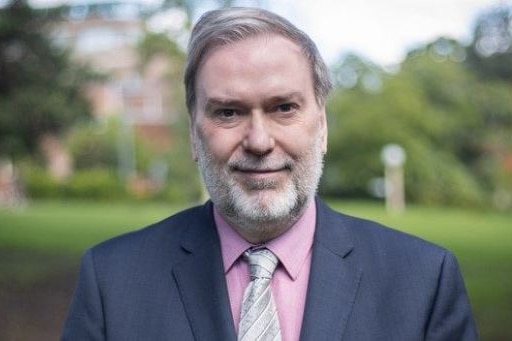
260	164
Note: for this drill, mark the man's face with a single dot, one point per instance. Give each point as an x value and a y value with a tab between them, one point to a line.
258	133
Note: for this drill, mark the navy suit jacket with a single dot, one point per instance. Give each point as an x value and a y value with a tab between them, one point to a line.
367	282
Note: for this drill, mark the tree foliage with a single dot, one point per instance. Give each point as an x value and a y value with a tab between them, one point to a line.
455	127
39	87
490	53
182	172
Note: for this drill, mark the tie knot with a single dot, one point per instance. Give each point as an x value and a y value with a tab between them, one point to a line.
262	263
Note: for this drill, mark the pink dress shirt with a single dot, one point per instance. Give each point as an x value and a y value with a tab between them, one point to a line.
290	280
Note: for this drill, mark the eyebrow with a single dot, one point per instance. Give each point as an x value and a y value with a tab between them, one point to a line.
292	96
214	102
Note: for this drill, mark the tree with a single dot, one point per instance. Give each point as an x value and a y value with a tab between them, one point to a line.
455	125
182	170
425	108
39	86
490	53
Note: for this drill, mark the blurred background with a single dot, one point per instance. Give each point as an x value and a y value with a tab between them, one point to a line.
94	136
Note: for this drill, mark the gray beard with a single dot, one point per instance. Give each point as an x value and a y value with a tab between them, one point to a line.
262	209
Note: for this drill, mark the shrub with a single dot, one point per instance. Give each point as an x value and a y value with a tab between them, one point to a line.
94	184
94	145
99	183
38	183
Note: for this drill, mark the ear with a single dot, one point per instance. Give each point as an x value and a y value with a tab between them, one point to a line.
323	129
193	140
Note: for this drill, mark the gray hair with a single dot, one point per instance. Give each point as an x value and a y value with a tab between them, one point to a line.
226	26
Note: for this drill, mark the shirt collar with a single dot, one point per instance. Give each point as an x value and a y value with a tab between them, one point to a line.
291	248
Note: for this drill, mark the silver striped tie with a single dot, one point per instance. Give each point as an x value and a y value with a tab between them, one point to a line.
258	317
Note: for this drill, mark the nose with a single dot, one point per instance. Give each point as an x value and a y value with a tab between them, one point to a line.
258	139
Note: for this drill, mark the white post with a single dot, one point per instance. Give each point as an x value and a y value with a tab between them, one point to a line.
393	157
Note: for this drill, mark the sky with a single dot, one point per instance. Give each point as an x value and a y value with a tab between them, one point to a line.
379	30
383	30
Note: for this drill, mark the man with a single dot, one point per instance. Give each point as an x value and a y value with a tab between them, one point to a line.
256	91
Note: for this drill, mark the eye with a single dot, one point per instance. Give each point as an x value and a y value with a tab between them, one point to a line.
226	113
286	108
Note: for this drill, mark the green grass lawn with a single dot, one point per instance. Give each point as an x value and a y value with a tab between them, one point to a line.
58	232
71	227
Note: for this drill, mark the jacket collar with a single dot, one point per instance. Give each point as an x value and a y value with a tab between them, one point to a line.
201	282
334	278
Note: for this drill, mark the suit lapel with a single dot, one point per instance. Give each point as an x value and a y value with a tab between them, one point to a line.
201	282
334	280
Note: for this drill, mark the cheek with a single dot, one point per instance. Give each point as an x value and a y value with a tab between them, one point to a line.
220	143
298	141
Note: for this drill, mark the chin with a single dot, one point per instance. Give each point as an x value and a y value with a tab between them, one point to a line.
265	205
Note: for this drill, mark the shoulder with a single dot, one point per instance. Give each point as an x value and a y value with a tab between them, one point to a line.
374	241
163	236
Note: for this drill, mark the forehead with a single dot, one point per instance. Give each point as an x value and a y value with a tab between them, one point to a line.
259	63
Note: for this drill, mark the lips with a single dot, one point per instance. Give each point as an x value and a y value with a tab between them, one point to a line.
259	170
257	167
